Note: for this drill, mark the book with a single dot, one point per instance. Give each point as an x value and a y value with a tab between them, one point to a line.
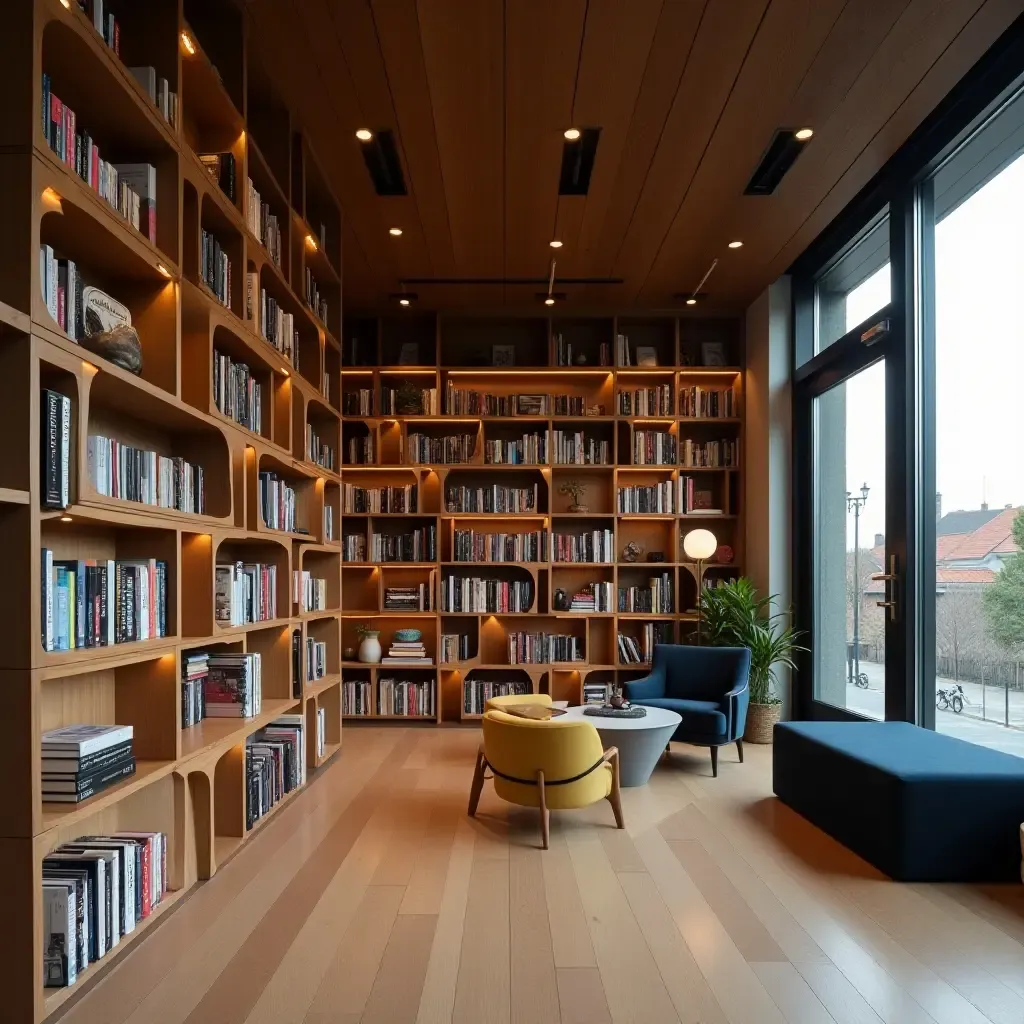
55	445
141	179
78	795
83	740
56	783
60	933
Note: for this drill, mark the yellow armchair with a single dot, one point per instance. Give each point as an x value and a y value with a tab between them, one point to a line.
557	764
517	700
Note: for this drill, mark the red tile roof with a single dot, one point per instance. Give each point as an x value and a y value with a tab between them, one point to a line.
976	576
988	538
945	546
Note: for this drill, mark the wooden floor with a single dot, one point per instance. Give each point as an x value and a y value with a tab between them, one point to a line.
373	898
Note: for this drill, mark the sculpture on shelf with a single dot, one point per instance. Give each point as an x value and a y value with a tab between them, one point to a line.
632	552
561	601
575	489
109	332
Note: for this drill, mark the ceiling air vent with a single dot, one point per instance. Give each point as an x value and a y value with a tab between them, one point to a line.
780	155
578	163
381	156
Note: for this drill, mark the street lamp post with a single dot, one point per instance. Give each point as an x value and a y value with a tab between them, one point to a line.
854	504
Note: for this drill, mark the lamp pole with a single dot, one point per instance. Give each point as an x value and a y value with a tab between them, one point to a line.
854	504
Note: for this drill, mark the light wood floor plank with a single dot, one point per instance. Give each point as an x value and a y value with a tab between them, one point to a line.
618	845
397	989
437	1002
836	993
792	995
997	1001
690	994
483	991
425	890
581	996
570	933
633	985
534	987
347	983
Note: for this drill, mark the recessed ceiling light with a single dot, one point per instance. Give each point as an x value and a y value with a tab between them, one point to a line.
163	270
312	242
555	244
803	134
65	519
66	4
395	231
403	302
549	301
736	245
364	135
572	134
186	41
691	301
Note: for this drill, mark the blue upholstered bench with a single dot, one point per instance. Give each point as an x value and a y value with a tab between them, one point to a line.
918	805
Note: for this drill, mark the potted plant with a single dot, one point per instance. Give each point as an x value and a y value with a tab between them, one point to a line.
575	489
369	644
408	398
734	616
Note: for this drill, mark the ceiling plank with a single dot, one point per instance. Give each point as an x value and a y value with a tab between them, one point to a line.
463	52
398	31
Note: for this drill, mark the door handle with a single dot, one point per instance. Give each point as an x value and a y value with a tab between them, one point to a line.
891	579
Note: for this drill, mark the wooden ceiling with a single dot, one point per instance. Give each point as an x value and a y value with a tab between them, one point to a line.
687	94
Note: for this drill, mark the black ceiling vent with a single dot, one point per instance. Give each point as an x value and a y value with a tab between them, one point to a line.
381	156
578	163
780	155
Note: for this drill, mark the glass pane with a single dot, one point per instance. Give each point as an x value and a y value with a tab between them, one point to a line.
979	354
853	288
849	543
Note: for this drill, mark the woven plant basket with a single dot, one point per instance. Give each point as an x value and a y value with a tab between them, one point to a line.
761	719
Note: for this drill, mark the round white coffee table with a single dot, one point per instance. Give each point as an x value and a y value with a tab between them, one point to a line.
641	741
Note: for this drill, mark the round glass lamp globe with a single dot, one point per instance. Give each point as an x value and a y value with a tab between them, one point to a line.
700	544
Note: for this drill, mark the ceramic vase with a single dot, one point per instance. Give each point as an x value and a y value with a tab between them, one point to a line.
369	649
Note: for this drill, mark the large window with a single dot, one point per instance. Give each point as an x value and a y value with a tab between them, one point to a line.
979	465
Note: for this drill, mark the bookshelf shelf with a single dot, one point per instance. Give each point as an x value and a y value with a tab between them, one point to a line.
189	782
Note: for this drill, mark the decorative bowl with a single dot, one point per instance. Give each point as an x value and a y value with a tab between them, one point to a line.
407	636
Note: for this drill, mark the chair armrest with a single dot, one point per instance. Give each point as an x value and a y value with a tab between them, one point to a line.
735	692
647	686
728	702
612	754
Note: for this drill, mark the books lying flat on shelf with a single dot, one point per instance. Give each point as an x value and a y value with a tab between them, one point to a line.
96	602
263	224
454	648
494	498
422	449
542	648
594	597
277	502
477	692
245	592
55	449
96	890
378	499
419	545
79	761
592	546
473	594
195	669
118	470
309	592
234	686
356	697
527	450
655	401
408	599
236	393
411	698
407	653
275	765
470	546
596	693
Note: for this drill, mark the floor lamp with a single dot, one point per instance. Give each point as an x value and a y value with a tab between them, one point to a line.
700	545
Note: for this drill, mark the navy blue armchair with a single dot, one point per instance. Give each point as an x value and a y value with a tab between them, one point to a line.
708	686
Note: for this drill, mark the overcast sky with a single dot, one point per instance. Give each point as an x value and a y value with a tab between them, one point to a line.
979	257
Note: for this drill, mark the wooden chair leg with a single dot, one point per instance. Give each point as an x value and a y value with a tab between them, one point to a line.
615	796
714	761
739	749
478	783
545	814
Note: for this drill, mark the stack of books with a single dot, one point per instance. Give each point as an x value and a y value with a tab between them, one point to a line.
194	671
96	890
411	652
80	761
275	764
407	599
234	687
596	693
594	597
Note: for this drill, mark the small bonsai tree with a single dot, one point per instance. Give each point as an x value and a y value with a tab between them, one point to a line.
575	489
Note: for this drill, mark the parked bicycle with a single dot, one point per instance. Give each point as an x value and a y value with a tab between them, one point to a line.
950	697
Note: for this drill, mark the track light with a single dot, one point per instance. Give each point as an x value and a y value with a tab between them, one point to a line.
803	134
736	244
364	135
572	134
555	244
186	41
395	232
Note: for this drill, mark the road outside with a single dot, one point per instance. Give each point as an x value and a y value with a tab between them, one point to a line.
968	725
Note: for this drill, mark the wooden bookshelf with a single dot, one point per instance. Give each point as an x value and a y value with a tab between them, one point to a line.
189	782
455	351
